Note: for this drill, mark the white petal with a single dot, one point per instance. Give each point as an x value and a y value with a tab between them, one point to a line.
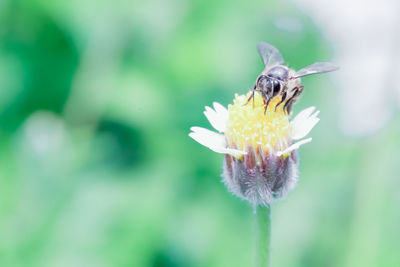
217	117
293	147
303	123
303	129
303	115
214	141
222	111
215	120
234	152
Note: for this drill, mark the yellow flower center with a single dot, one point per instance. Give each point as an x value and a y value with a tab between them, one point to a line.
248	125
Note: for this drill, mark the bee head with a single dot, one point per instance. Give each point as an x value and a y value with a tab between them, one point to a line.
268	86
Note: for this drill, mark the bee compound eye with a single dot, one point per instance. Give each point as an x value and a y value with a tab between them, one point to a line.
276	87
262	81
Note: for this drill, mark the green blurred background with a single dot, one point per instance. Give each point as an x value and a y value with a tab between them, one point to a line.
97	169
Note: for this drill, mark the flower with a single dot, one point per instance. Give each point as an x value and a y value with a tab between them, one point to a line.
261	161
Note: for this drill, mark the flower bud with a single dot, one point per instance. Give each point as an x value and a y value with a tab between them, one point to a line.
260	178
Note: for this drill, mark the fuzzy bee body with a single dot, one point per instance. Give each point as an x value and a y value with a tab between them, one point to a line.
279	80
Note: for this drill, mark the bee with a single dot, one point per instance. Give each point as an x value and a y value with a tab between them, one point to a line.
279	80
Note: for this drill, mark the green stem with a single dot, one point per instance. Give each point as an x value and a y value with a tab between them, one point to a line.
263	214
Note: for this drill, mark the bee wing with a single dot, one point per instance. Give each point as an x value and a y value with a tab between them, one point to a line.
270	54
315	68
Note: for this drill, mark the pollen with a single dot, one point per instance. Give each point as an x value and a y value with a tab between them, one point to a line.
249	127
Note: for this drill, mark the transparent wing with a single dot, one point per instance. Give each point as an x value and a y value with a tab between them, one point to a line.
270	54
315	68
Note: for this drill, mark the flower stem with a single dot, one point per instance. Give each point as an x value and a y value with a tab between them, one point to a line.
263	214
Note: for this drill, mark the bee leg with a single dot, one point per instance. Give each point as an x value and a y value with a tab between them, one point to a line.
251	97
266	105
248	100
280	102
288	104
292	100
